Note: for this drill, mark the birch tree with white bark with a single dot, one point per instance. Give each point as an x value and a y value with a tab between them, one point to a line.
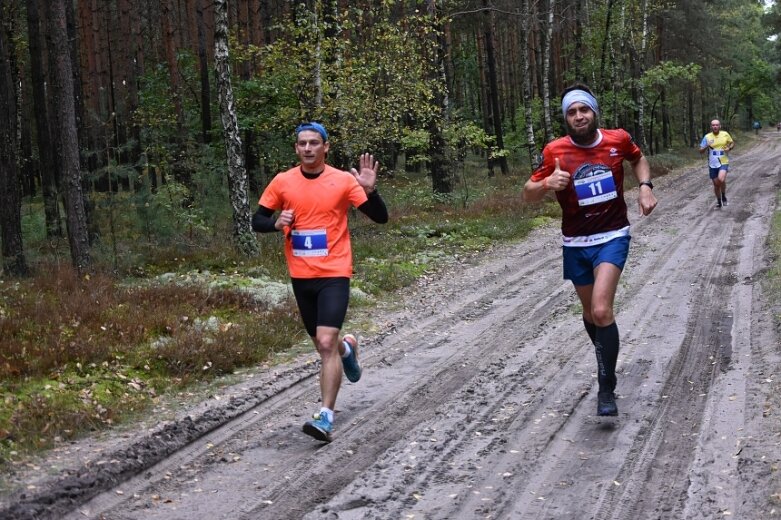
243	235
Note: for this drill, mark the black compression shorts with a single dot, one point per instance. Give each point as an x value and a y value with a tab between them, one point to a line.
322	301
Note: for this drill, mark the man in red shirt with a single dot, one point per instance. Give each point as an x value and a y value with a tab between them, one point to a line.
313	199
585	170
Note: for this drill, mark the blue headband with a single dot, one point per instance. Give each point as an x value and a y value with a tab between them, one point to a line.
314	127
579	96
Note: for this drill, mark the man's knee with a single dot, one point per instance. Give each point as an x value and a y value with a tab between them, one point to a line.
326	344
602	315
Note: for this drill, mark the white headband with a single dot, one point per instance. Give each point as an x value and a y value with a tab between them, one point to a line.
579	96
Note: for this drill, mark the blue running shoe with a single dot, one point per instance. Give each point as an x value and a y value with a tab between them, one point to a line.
606	404
319	427
350	364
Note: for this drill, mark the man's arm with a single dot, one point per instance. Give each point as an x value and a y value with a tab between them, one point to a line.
646	199
704	145
374	208
262	221
534	191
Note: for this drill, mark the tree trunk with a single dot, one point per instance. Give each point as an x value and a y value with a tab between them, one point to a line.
66	132
440	179
93	229
641	140
237	175
690	109
605	40
496	115
45	148
14	263
206	113
170	30
484	96
666	139
578	39
546	57
527	84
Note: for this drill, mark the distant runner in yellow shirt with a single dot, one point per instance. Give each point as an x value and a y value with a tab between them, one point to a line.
718	143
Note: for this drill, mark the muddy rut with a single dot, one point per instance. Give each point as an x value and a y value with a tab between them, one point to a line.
479	394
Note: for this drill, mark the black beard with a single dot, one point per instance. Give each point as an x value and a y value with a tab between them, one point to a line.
583	137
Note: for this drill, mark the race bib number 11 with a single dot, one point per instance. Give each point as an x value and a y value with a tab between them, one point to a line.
309	242
595	189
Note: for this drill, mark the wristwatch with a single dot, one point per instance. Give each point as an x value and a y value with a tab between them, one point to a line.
647	183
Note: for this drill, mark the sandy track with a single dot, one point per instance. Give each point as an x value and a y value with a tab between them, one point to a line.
478	399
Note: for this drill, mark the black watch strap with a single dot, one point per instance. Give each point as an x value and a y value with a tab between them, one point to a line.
647	183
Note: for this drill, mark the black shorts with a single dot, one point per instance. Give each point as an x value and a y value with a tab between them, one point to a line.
322	301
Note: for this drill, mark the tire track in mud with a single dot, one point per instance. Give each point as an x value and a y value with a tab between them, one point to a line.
705	355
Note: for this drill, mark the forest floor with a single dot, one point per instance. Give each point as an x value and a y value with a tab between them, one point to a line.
478	397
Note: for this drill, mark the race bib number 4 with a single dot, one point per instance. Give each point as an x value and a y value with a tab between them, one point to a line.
309	242
596	188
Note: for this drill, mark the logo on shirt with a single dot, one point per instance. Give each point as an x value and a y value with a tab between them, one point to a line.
591	170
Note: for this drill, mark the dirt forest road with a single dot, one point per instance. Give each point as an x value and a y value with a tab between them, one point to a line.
479	393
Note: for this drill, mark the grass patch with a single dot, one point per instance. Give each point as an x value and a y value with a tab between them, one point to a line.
80	354
773	278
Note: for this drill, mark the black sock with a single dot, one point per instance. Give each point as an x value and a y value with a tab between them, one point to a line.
591	329
606	348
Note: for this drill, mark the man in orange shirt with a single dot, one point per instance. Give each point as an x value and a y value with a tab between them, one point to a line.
313	199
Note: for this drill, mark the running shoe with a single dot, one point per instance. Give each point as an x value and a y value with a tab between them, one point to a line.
718	204
724	200
606	404
319	427
350	364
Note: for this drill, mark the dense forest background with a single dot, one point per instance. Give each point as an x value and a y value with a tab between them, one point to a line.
160	118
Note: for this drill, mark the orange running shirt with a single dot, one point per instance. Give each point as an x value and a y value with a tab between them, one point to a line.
317	245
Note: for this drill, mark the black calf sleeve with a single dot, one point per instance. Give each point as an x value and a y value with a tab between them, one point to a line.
606	347
591	329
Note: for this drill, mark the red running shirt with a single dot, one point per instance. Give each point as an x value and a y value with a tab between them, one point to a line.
317	245
593	202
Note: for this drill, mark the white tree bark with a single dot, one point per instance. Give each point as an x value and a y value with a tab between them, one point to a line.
546	50
527	83
237	174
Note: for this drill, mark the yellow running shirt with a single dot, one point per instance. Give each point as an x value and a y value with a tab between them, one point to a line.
717	154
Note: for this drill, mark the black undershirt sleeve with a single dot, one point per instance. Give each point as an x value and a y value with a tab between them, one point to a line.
262	221
374	208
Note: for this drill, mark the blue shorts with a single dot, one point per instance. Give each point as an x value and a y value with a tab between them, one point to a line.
580	262
714	172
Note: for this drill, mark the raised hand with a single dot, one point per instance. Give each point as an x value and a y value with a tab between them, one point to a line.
366	175
559	179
